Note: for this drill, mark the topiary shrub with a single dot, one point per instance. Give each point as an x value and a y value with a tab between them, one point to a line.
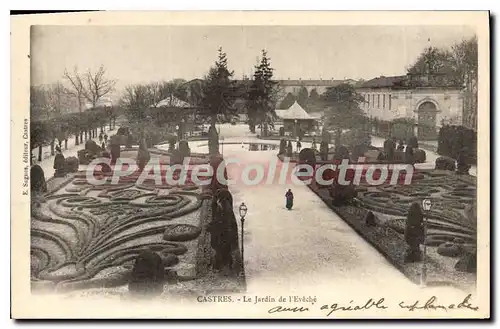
370	219
282	131
450	249
148	275
289	149
115	151
130	141
171	144
213	140
342	194
282	149
59	165
445	163
419	155
414	233
463	162
307	156
341	153
104	166
389	149
323	150
223	230
413	142
72	164
467	263
184	149
37	178
452	139
123	131
92	147
359	151
143	155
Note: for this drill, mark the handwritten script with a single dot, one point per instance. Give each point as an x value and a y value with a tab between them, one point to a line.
431	304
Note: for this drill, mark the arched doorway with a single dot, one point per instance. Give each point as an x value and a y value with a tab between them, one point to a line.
427	112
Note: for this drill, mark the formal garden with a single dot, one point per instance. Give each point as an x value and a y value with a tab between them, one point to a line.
391	217
143	235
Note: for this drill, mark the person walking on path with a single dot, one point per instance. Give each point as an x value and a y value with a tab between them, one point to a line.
100	137
106	138
313	145
289	199
299	146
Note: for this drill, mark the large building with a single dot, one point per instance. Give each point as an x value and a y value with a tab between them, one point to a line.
294	86
430	101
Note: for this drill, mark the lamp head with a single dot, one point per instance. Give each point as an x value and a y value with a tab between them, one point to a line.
243	209
426	204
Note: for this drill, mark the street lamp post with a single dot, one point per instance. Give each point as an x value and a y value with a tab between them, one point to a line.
243	212
426	205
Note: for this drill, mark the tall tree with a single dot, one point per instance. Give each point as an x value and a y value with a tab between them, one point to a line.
302	97
136	100
262	96
458	66
219	92
287	101
77	87
39	104
465	55
57	96
343	111
97	85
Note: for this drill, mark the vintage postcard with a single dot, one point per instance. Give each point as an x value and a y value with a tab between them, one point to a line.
251	165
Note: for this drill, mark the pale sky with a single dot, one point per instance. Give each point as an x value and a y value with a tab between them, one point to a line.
138	54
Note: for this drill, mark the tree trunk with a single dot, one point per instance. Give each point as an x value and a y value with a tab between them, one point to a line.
40	153
102	129
86	134
66	144
81	137
76	139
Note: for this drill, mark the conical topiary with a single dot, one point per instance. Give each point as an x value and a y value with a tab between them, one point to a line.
414	233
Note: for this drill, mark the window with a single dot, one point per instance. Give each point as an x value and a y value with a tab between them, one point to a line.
373	100
390	101
378	101
383	101
368	99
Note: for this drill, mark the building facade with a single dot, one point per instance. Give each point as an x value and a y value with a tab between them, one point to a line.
294	86
428	101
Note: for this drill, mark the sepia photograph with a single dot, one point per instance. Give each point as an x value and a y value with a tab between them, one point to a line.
255	168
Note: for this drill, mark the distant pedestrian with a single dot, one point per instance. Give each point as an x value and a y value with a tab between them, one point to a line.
313	145
100	137
299	145
103	146
289	199
106	138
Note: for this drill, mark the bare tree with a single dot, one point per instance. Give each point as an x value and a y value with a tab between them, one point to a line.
96	85
57	98
77	88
